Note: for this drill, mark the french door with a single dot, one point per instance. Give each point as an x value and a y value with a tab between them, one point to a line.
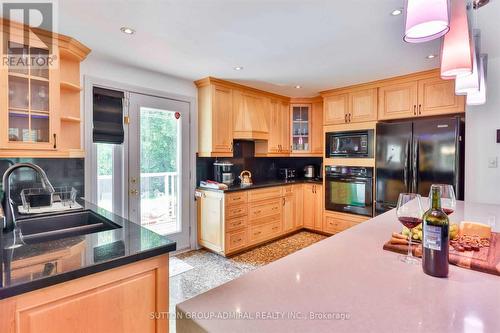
158	166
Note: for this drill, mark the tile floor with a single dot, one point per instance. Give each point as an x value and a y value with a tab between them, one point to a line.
211	270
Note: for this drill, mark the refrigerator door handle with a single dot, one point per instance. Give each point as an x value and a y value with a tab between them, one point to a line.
415	165
405	170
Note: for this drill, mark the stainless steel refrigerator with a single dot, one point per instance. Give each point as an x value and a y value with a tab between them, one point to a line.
412	155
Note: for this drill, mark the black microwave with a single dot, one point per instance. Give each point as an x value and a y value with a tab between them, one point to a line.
349	144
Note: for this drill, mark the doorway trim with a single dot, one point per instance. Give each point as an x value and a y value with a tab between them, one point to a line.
89	82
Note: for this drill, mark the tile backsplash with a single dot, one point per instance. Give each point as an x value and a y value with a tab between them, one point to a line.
262	168
60	171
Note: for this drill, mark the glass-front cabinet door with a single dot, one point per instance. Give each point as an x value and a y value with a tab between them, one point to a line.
32	90
301	127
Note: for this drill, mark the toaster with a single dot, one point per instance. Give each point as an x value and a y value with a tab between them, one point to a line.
287	173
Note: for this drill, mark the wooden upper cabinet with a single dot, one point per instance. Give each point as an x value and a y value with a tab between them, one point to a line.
250	116
285	127
437	96
397	101
274	127
40	105
336	109
362	106
222	124
215	125
425	97
351	107
317	138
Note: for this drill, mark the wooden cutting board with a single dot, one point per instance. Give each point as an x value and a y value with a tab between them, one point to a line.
486	260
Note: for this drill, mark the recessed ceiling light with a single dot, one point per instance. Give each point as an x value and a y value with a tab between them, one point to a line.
431	56
238	68
127	30
298	87
397	12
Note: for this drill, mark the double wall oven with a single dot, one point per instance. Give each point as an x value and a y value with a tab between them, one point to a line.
349	189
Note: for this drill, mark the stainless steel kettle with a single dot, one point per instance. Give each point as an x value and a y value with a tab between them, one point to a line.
309	171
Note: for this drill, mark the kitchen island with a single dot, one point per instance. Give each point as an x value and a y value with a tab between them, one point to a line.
107	281
348	283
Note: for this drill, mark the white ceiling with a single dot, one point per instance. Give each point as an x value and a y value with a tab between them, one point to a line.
318	44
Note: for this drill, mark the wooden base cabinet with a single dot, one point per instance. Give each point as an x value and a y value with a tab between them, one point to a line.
335	222
231	222
313	206
120	300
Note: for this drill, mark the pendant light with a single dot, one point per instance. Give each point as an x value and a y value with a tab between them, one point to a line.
465	84
456	55
426	20
479	97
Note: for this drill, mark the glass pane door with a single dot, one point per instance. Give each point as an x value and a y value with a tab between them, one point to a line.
158	157
300	128
28	96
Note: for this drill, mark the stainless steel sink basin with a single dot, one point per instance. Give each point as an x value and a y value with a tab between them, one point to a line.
53	227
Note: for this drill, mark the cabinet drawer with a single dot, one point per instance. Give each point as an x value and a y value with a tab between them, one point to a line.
265	208
265	219
264	194
236	223
236	198
264	232
236	211
236	240
333	224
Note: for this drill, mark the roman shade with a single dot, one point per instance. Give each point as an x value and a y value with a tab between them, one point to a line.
107	116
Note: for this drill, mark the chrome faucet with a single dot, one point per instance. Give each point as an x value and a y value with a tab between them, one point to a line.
7	203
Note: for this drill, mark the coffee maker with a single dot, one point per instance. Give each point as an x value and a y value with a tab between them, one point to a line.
223	172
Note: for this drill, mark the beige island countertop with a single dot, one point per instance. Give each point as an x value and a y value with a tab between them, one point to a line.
348	283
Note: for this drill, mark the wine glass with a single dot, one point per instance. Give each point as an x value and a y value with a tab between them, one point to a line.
410	212
448	199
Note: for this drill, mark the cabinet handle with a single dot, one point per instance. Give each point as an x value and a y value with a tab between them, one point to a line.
283	201
414	110
55	140
349	117
231	147
420	109
345	117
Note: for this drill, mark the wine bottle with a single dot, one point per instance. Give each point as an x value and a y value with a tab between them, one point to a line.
435	237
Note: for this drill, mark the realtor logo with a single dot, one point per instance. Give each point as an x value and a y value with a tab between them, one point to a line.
28	38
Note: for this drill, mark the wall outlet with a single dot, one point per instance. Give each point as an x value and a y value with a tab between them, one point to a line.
493	162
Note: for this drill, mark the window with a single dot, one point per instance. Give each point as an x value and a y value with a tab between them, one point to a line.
105	175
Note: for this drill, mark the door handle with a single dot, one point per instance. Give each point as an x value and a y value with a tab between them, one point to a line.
415	165
134	192
405	170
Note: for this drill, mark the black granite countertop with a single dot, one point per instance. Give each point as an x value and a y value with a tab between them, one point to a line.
38	265
267	183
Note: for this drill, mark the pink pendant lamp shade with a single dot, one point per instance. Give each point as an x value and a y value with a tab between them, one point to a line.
479	97
456	55
426	20
467	84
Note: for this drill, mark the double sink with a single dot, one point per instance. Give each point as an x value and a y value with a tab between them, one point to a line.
53	227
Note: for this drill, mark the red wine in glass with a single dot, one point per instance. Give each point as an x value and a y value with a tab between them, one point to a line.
448	211
410	222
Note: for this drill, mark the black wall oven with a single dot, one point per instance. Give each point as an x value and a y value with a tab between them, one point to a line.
349	144
349	190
